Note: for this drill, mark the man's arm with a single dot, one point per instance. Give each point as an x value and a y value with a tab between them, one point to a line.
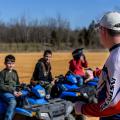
106	107
111	104
95	110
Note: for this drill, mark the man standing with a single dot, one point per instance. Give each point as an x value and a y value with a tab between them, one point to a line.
108	90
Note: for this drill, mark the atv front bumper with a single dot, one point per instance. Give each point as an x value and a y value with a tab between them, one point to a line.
55	109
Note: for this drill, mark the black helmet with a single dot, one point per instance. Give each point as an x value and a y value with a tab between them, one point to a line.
77	53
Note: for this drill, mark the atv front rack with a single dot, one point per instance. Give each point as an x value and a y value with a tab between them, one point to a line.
55	107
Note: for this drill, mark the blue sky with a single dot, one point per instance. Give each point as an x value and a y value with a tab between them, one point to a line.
79	13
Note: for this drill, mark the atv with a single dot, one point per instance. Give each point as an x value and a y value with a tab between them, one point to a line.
33	105
72	92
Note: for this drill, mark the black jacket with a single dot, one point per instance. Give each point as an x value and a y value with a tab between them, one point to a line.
42	71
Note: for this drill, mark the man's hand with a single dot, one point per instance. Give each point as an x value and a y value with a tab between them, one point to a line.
33	82
53	82
78	106
17	94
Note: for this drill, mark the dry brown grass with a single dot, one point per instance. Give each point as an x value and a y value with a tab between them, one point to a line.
25	63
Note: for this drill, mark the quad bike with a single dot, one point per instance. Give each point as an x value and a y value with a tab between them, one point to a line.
33	105
72	92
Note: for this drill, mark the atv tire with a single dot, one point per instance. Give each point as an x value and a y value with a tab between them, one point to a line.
55	91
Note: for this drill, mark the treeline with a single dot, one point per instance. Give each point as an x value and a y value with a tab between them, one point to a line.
53	33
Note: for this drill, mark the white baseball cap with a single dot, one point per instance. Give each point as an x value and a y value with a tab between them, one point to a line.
111	20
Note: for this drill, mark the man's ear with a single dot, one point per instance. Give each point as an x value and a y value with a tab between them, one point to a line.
105	33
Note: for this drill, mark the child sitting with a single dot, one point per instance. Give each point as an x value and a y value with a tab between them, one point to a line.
77	65
92	76
8	81
88	75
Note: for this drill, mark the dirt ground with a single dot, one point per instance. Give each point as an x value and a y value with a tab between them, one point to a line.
25	63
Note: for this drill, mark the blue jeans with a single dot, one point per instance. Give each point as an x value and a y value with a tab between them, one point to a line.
11	103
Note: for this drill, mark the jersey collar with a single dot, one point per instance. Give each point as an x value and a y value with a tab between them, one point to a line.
114	46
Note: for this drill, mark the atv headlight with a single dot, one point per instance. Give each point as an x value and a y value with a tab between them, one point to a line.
44	116
78	94
41	92
69	108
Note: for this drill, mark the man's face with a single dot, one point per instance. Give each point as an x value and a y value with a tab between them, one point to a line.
48	57
10	65
103	37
